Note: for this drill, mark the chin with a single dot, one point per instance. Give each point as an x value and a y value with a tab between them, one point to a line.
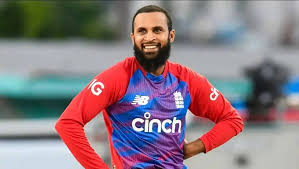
150	55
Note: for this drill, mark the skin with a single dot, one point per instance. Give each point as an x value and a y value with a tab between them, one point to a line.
193	148
150	29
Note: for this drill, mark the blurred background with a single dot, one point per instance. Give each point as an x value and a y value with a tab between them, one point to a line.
49	51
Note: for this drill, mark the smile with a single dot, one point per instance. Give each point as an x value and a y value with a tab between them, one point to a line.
150	47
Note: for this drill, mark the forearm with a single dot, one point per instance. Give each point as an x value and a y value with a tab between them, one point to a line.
73	135
221	133
193	148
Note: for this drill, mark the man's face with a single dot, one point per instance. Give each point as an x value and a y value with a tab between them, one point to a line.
151	33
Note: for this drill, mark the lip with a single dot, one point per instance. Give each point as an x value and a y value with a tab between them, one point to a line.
150	48
151	44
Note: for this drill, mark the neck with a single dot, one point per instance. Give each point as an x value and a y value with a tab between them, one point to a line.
159	71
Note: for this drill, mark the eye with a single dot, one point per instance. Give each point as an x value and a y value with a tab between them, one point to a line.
142	31
157	30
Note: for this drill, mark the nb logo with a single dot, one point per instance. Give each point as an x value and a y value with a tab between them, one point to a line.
214	94
140	100
96	87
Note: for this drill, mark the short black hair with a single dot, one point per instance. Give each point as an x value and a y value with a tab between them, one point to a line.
153	8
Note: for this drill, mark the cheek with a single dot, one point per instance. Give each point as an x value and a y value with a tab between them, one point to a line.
164	41
137	42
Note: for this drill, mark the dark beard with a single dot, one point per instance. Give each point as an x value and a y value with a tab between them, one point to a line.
151	65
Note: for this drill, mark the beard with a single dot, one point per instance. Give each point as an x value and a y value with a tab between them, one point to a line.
152	64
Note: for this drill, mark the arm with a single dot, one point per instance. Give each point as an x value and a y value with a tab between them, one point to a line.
209	103
193	148
96	96
73	135
70	127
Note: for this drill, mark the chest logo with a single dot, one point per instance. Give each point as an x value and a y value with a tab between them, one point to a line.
147	125
140	100
179	100
214	94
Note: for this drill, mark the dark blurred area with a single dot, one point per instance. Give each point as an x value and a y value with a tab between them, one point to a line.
268	79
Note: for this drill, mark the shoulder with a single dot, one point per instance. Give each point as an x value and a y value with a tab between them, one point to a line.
183	72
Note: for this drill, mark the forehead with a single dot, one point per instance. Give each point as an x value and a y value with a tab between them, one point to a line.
151	19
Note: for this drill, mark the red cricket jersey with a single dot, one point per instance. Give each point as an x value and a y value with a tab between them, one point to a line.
145	115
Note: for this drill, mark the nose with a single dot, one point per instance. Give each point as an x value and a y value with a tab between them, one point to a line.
149	36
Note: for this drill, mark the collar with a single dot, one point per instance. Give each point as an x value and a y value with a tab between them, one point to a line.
149	75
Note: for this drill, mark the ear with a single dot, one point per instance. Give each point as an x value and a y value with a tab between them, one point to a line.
171	35
132	38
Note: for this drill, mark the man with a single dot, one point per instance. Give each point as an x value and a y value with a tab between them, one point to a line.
144	100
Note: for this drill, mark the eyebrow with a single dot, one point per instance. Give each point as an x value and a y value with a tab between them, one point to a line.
155	27
158	27
140	28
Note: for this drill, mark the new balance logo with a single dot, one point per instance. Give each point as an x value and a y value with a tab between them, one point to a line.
140	100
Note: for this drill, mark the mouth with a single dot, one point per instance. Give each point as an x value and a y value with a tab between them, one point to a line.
150	47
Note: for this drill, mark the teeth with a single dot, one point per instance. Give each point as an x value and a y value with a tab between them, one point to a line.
149	47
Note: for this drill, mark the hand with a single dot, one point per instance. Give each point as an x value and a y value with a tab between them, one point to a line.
193	148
